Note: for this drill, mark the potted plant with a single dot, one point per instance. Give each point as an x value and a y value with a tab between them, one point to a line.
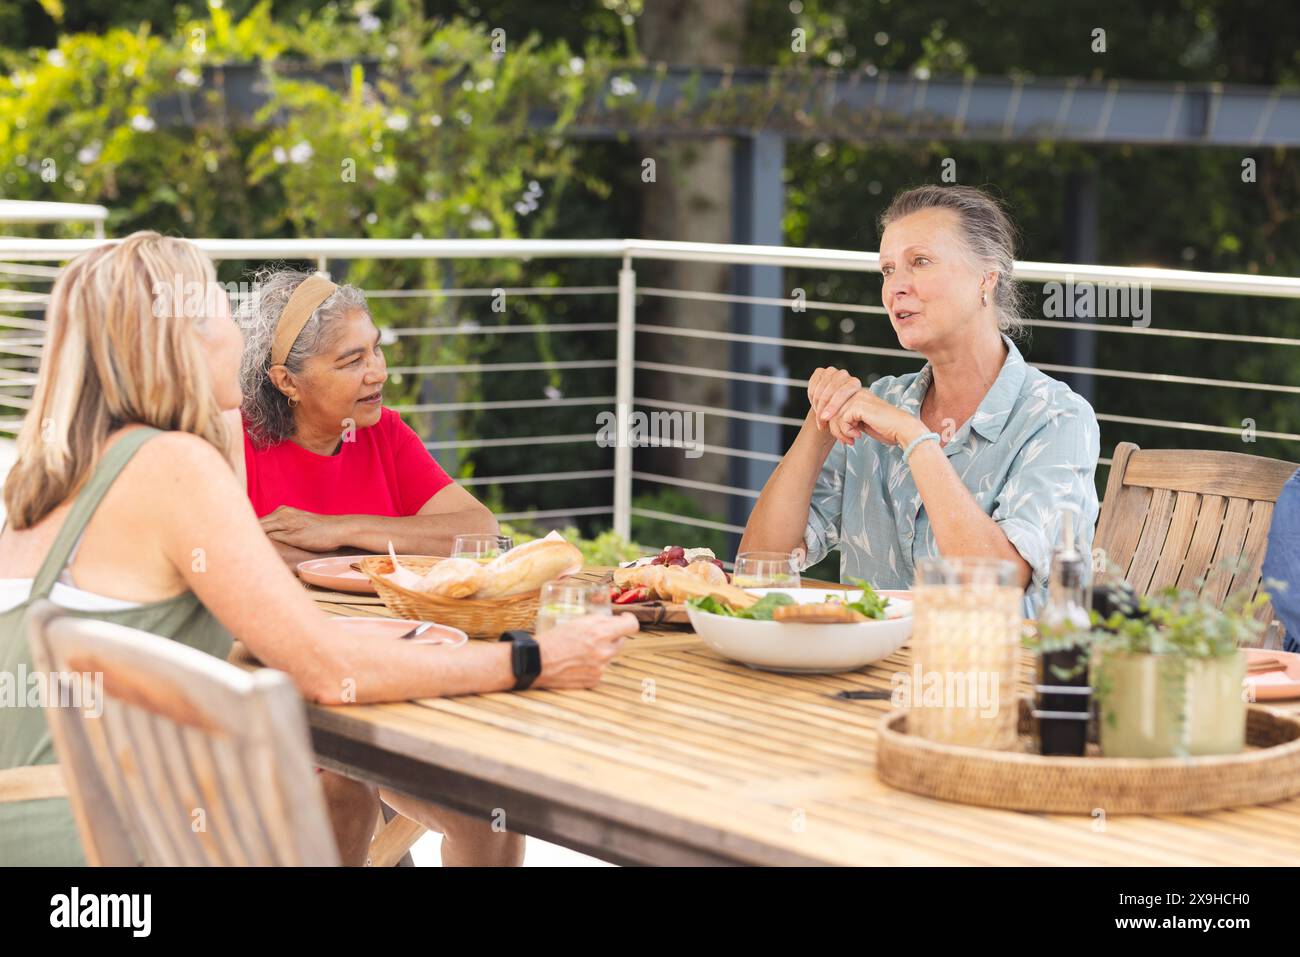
1167	676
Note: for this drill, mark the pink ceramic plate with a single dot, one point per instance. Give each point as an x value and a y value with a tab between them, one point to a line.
396	627
336	574
1274	685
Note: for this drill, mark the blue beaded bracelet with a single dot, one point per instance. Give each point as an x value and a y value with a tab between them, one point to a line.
907	452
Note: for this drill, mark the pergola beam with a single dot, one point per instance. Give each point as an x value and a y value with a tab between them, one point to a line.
859	106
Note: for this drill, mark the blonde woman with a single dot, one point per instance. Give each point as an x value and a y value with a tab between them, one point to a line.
124	482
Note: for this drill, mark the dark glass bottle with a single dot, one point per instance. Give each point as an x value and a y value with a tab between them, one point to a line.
1063	695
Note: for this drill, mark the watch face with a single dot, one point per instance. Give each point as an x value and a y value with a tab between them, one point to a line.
525	658
531	655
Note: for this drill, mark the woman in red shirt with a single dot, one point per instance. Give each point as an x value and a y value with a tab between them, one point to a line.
328	468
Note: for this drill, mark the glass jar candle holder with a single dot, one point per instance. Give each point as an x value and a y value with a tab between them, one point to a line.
966	624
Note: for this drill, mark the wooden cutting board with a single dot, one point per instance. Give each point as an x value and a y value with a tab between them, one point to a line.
657	612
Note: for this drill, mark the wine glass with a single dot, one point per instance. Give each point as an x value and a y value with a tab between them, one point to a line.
479	548
766	570
567	598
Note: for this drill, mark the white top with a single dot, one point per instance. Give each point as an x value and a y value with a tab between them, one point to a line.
15	591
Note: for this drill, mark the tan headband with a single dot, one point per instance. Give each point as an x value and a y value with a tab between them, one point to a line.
311	292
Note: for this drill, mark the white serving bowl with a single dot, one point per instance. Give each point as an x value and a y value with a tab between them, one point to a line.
801	647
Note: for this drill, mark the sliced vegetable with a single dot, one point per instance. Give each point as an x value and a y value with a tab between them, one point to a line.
631	595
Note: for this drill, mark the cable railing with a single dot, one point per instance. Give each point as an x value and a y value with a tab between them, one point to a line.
27	266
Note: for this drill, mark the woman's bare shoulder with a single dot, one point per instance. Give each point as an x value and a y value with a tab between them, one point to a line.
179	460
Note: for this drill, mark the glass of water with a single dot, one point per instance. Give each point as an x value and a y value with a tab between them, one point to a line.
568	598
766	570
480	548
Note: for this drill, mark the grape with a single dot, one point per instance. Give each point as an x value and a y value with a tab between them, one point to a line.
657	560
675	551
716	561
679	561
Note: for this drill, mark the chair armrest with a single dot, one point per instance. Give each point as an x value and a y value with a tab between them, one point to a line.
31	783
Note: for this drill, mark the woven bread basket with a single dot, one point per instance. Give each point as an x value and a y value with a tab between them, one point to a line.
477	618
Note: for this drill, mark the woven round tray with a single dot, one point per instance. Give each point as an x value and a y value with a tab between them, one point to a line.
1268	770
478	619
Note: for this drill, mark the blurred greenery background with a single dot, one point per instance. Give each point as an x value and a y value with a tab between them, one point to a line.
440	130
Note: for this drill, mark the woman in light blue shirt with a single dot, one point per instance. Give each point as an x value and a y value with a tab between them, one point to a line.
975	455
1282	562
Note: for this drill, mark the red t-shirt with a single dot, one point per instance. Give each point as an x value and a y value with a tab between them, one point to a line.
385	471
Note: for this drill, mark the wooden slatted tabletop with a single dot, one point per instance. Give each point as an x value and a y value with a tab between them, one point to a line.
680	756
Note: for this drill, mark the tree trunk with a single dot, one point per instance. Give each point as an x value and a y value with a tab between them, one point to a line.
690	200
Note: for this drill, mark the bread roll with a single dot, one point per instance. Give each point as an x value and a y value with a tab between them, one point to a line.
453	578
818	612
527	567
707	571
629	577
644	576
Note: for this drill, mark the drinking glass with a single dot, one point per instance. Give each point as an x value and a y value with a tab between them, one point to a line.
480	548
766	570
568	598
966	623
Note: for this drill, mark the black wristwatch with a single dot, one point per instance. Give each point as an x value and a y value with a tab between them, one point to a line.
525	658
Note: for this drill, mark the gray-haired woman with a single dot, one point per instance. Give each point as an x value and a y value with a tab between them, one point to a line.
328	468
975	455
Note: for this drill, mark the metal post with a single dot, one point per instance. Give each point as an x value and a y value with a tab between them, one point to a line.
1079	346
758	197
623	398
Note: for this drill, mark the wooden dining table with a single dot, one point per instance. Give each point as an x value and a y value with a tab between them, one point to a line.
680	756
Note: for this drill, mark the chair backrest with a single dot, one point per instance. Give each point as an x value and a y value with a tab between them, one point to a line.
1171	517
173	757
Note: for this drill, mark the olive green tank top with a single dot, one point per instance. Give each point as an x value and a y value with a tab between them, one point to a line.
42	832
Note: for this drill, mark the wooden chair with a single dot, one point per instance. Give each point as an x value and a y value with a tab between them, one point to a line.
1170	517
190	760
395	835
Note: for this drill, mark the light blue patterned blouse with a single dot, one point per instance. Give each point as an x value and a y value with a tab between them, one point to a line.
1030	447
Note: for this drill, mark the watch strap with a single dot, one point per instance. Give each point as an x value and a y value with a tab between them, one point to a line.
525	658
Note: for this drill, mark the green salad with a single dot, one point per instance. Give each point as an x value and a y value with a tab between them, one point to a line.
871	604
761	610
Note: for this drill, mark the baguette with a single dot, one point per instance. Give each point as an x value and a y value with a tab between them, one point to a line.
527	567
453	578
